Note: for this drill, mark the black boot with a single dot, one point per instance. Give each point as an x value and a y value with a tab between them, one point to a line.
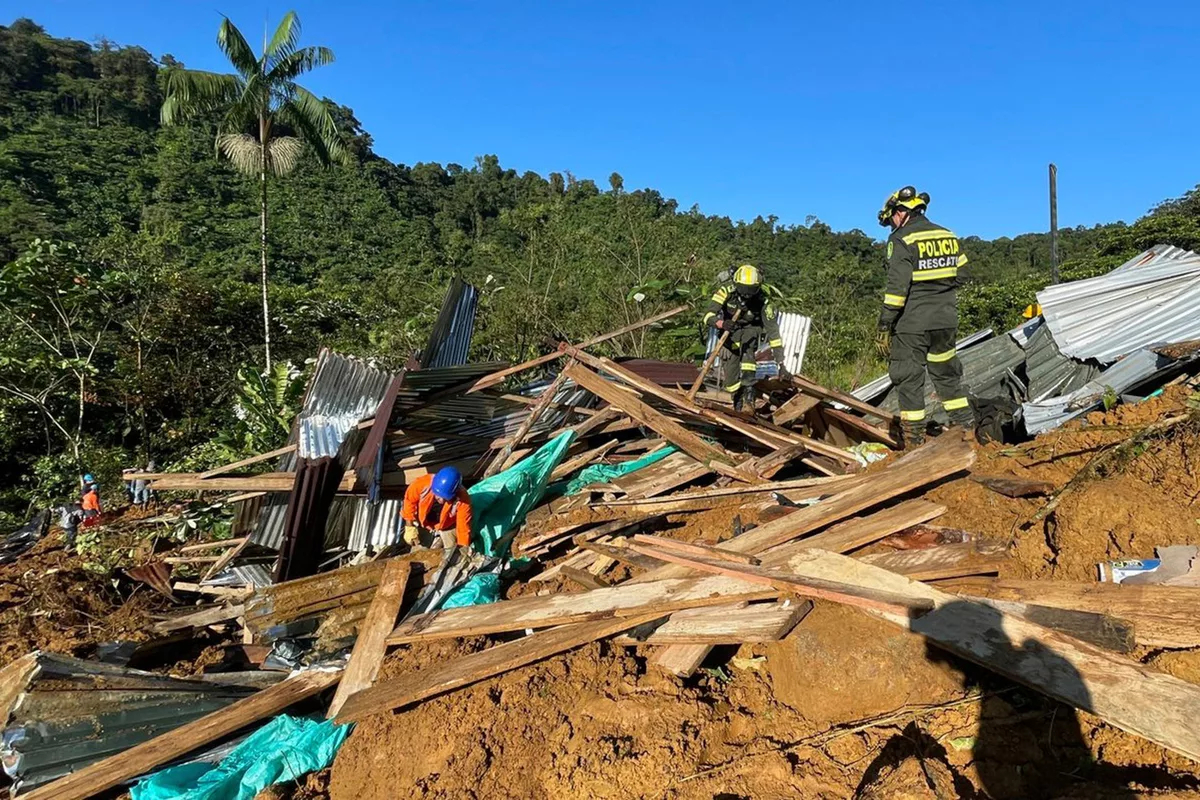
914	433
743	399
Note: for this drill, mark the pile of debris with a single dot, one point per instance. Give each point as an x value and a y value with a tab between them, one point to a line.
612	504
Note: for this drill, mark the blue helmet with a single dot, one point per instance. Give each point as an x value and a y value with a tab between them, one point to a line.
446	483
88	478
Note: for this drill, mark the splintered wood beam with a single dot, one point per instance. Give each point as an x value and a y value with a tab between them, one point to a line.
561	609
943	561
693	548
481	665
371	644
569	466
670	430
794	408
817	390
737	623
860	531
147	756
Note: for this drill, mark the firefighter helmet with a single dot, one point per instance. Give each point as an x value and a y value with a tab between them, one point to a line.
908	198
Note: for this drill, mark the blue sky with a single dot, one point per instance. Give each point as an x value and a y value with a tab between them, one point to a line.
792	109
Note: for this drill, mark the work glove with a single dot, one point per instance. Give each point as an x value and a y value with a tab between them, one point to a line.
883	343
412	535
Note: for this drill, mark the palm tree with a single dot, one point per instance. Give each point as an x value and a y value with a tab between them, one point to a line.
262	95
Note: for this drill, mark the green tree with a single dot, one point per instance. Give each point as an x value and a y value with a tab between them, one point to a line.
254	104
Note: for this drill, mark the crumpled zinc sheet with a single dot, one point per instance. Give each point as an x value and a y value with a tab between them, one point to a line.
500	503
282	750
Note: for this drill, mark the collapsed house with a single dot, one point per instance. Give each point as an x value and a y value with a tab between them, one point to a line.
575	473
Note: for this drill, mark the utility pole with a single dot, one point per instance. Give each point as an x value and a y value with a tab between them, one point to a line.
1053	224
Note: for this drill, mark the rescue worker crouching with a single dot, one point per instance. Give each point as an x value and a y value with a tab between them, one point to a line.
756	318
437	508
918	325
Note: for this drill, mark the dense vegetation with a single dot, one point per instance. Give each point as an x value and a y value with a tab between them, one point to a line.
129	295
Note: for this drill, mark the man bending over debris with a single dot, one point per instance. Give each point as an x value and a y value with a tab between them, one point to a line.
918	325
437	503
745	311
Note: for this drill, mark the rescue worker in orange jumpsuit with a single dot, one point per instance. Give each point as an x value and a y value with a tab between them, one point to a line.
437	504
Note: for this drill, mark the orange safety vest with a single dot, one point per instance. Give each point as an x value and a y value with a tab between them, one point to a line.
418	508
91	501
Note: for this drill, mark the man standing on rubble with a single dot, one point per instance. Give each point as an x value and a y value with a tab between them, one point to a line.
744	309
918	325
437	503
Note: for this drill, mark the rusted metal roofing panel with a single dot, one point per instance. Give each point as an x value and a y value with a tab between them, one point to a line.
664	373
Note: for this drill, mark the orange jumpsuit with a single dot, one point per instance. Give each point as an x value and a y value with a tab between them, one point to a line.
419	504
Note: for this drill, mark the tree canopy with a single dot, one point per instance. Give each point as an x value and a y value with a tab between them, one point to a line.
165	234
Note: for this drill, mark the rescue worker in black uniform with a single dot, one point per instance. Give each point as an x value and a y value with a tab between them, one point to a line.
918	325
758	319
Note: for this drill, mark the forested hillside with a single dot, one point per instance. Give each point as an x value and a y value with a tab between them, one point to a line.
130	296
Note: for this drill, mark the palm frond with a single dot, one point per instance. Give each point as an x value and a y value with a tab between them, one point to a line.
242	150
192	92
311	118
245	153
299	62
284	41
283	154
236	49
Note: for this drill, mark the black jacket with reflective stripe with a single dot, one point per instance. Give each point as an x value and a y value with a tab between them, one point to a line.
923	272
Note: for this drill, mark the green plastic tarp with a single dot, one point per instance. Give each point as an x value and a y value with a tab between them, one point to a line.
499	503
282	750
606	473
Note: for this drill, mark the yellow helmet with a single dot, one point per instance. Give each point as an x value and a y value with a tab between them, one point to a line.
902	198
747	275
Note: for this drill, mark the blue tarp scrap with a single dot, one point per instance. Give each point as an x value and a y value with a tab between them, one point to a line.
284	749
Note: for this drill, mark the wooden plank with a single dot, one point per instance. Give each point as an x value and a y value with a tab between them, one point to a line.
226	557
768	465
584	578
200	619
1161	616
817	588
194	548
561	609
582	460
796	407
943	561
1014	487
622	554
246	462
860	531
370	646
1122	692
757	431
733	624
267	482
823	485
694	548
672	431
938	459
481	665
500	460
148	756
866	429
817	390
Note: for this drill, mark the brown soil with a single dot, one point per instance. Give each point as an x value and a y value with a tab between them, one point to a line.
48	601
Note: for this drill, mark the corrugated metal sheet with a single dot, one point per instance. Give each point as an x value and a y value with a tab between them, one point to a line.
1120	377
870	391
71	713
793	330
450	339
989	370
1049	372
664	373
343	392
1151	299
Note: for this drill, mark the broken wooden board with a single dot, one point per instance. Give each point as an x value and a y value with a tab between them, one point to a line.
584	578
734	624
796	407
816	390
865	429
1120	691
694	548
582	460
246	462
199	619
148	756
815	588
481	665
370	646
1161	616
1015	487
767	466
670	430
561	609
860	531
943	561
622	554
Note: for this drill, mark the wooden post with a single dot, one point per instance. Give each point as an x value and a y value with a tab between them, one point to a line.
1053	224
535	414
712	358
